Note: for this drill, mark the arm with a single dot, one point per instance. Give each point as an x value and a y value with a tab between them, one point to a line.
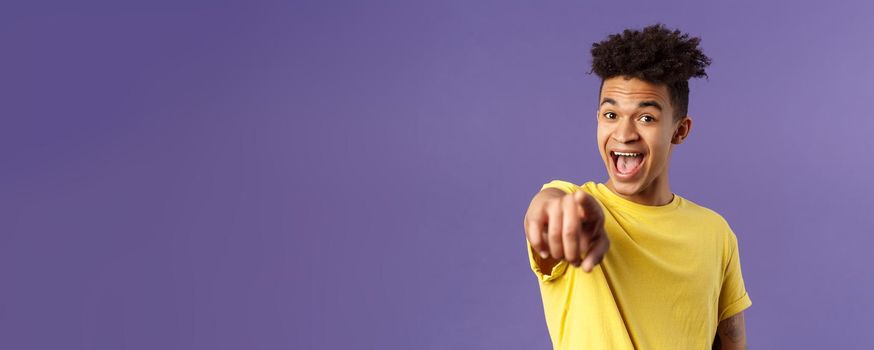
731	333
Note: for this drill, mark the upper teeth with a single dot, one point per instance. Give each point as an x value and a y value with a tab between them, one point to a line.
626	154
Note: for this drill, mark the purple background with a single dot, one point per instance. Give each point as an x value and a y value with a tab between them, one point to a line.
326	175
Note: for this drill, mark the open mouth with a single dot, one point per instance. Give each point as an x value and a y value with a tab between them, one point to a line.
626	164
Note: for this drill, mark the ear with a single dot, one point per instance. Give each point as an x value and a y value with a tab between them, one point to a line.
682	131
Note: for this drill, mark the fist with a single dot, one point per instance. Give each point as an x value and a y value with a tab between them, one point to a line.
567	227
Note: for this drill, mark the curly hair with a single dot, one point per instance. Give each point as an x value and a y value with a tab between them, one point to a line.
654	54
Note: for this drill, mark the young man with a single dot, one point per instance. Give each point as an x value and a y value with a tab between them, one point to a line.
628	264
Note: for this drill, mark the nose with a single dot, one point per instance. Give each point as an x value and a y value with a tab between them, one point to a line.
625	131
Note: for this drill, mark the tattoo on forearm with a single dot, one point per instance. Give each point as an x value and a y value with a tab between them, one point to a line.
731	329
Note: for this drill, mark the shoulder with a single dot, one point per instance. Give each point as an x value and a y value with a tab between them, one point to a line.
566	186
716	227
706	216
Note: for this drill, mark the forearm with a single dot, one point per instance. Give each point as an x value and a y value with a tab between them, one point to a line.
731	334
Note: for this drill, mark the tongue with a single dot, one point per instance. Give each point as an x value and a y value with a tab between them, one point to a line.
627	164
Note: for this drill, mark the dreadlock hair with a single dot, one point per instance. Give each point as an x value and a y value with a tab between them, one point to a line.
656	55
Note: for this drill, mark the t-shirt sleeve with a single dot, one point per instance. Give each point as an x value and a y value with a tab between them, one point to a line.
733	297
545	276
559	269
565	186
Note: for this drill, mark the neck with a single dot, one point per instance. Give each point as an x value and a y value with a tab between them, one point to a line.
657	193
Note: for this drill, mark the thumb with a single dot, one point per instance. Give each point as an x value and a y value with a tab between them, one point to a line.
580	200
580	197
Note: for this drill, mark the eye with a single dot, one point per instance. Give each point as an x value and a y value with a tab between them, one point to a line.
647	119
610	115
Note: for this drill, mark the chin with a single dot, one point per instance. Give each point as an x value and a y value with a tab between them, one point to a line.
626	188
630	187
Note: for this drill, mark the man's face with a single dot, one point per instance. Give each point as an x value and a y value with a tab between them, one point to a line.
636	133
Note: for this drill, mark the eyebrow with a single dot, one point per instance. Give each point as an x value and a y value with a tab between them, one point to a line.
650	104
642	104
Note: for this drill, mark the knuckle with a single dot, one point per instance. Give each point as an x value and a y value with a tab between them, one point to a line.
553	228
555	205
533	238
531	220
553	233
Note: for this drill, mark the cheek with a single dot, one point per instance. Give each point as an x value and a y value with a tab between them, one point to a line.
659	146
661	153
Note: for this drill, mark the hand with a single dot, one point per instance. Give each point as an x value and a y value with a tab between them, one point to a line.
566	227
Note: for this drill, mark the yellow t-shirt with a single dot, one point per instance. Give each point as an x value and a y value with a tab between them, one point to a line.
671	274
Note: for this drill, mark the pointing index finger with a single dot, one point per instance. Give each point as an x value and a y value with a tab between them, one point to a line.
590	206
